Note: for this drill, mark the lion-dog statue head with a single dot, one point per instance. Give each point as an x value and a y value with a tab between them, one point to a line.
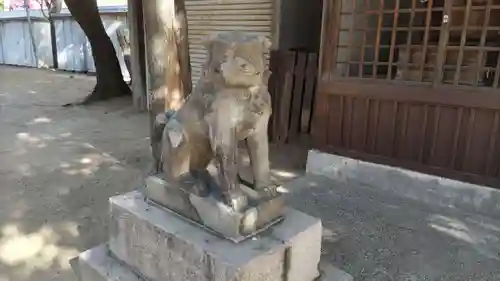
236	60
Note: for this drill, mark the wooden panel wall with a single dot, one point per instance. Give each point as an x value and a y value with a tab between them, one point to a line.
456	141
292	86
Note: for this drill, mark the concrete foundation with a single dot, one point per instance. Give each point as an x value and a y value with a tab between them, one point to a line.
429	189
97	264
148	242
163	246
332	273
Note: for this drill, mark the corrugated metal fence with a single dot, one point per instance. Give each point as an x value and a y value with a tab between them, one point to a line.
73	48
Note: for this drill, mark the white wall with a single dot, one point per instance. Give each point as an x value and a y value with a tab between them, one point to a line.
16	46
101	3
73	48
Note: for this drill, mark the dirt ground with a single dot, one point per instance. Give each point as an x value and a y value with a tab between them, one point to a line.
58	166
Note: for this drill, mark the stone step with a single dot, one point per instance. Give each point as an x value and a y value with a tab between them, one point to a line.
332	273
97	265
162	246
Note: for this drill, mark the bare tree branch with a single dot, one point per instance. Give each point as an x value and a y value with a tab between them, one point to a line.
48	4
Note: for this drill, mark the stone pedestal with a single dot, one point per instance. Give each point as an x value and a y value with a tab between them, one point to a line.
153	244
261	210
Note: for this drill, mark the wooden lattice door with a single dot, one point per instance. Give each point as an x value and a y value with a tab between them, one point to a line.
426	41
414	81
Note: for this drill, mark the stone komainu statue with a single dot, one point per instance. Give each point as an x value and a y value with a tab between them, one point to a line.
229	104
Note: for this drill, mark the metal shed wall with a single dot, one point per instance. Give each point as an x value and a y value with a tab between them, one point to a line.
206	17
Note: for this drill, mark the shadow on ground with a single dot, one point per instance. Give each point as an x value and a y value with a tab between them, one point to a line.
58	166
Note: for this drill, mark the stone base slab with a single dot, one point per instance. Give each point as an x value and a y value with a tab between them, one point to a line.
163	246
97	265
332	273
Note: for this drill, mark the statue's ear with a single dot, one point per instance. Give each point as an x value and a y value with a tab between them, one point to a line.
266	42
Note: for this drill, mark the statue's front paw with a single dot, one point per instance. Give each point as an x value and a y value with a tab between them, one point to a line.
236	200
269	190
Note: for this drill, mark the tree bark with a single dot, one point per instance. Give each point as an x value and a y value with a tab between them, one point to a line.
167	56
110	82
53	7
137	50
53	43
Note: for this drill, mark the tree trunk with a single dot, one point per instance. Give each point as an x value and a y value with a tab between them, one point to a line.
167	56
137	50
53	42
53	7
110	82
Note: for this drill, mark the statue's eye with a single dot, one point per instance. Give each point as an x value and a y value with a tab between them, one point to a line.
244	66
217	69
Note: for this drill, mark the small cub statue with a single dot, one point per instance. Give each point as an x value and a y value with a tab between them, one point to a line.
229	104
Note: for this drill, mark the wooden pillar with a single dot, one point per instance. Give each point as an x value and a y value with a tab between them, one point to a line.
137	54
167	57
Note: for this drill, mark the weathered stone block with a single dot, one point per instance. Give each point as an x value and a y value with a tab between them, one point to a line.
163	246
97	265
332	273
304	254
